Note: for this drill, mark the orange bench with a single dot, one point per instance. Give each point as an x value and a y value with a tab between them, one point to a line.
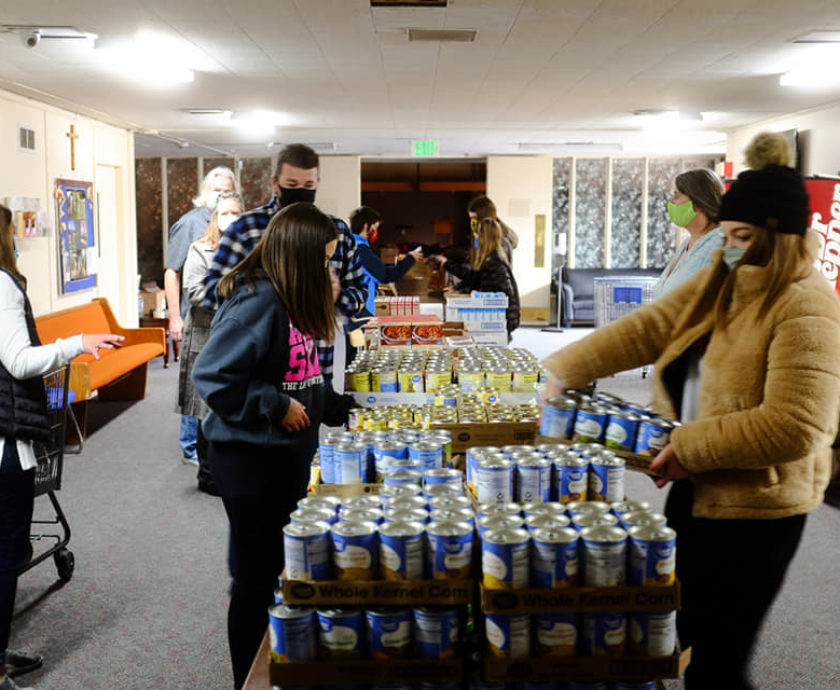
118	374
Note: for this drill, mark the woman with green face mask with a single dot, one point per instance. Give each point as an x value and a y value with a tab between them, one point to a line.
695	206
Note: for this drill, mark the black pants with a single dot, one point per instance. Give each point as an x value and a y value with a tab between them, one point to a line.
731	571
259	487
16	500
204	474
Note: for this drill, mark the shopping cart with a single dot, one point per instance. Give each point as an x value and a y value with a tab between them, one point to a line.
616	296
50	456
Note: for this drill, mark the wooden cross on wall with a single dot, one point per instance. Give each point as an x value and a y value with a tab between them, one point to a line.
72	136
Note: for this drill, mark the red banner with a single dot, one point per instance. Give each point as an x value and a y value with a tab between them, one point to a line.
825	222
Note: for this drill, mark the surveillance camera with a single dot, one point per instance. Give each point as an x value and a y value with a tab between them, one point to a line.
32	38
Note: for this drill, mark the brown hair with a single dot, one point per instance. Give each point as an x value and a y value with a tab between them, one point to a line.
787	257
705	190
291	255
213	234
482	207
489	232
7	243
298	155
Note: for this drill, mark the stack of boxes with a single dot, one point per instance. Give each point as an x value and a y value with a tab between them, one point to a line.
483	314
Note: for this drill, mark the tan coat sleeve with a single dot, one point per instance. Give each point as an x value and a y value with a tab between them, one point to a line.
800	401
633	341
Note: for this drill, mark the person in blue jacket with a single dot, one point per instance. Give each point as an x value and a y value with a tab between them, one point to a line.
364	224
260	376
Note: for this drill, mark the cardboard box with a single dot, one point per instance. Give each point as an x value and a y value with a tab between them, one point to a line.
551	669
378	592
474	302
153	301
582	599
367	672
499	339
491	434
635	462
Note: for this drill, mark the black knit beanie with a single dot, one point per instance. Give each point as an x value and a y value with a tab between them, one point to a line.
773	197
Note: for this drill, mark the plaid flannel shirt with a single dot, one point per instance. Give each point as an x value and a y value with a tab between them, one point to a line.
242	236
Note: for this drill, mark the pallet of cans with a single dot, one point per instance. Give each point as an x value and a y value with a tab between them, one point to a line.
408	545
630	430
327	646
419	371
578	590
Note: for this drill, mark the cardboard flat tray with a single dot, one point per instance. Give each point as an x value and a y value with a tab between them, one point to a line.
635	462
546	670
583	599
367	672
378	592
371	398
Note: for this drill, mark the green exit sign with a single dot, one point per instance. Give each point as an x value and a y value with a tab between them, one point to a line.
426	148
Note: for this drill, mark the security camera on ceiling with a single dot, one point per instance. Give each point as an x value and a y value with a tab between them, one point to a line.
31	38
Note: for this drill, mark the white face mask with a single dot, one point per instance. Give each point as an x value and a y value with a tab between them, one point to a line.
226	220
212	199
732	255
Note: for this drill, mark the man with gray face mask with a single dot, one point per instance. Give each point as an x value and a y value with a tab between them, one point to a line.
186	230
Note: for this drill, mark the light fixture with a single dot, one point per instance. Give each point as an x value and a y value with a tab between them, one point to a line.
257	122
820	36
150	58
815	68
207	111
663	120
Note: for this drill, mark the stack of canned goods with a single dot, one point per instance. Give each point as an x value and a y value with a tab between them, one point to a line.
391	457
418	371
590	543
300	634
405	533
449	408
606	419
545	472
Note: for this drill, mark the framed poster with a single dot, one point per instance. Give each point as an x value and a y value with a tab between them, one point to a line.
77	254
29	219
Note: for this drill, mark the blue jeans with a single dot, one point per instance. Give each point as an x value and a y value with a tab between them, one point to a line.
16	500
189	436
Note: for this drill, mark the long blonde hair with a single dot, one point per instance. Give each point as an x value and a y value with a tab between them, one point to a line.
291	255
786	256
489	233
7	244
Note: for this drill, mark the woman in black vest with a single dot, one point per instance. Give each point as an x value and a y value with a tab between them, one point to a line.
23	419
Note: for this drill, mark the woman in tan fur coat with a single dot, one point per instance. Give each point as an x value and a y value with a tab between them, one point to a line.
747	357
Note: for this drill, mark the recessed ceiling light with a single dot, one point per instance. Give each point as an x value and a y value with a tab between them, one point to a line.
820	36
815	68
55	32
150	58
207	111
447	35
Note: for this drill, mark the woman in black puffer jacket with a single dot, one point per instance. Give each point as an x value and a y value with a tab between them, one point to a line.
490	271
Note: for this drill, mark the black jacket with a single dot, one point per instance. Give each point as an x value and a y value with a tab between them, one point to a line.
23	403
495	276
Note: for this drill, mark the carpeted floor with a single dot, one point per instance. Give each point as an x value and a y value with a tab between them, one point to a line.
146	607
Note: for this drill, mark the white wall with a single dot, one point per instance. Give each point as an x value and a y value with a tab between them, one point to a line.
340	189
819	132
33	174
521	188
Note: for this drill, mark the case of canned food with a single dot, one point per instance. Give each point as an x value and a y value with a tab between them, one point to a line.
630	430
407	544
418	371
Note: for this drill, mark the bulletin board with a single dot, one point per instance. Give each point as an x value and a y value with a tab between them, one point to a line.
77	253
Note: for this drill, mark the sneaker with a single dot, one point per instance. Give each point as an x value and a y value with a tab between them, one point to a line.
192	460
9	684
18	663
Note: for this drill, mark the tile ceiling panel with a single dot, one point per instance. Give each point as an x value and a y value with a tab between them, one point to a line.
339	67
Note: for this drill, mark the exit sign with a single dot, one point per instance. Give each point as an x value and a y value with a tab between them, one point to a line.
426	148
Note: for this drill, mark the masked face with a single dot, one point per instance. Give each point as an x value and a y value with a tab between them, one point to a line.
681	214
292	195
227	213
